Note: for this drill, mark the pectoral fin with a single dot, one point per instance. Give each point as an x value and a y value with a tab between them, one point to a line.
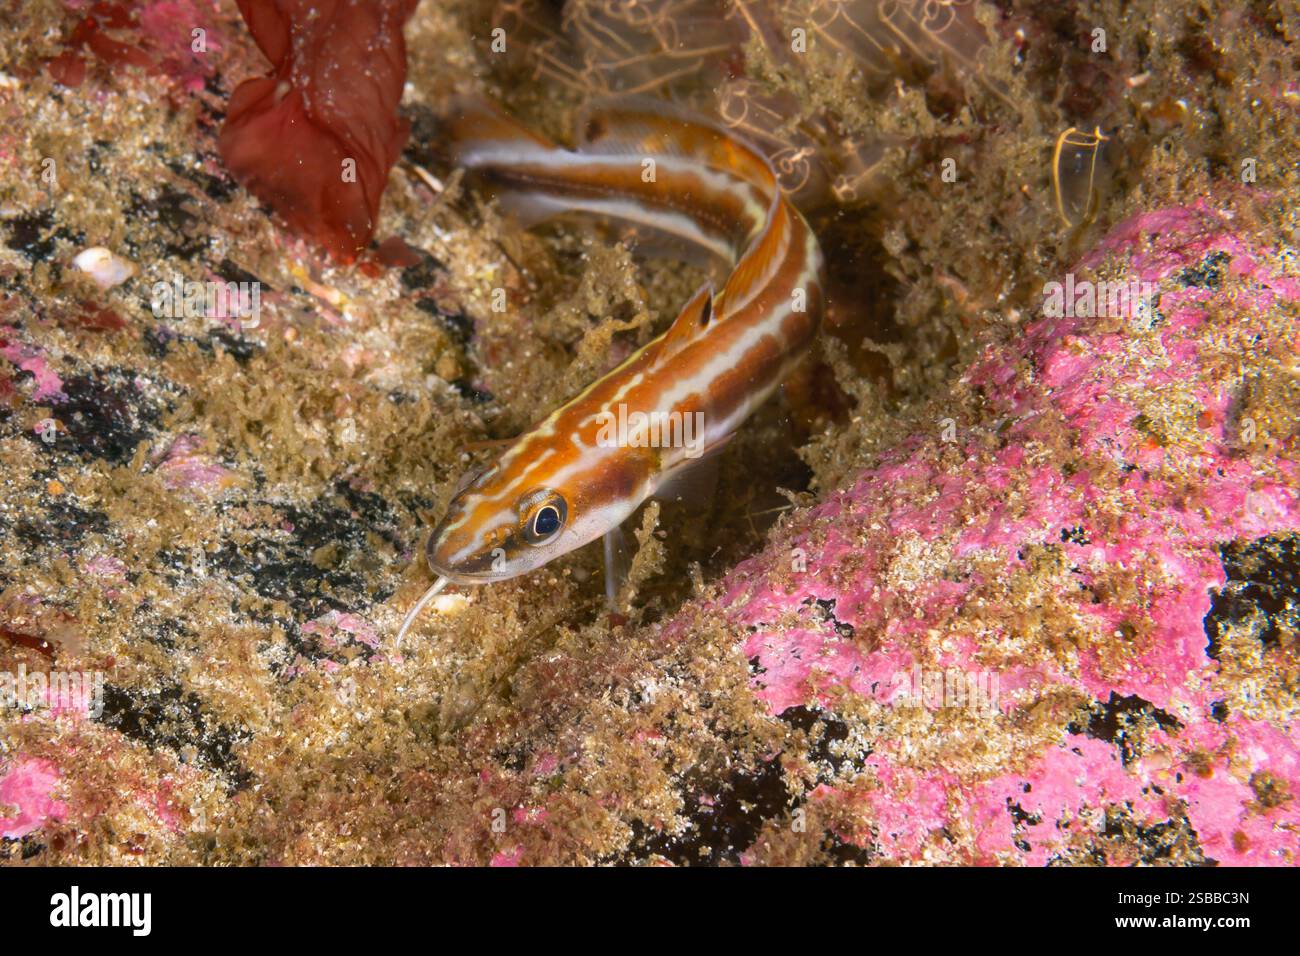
695	480
617	563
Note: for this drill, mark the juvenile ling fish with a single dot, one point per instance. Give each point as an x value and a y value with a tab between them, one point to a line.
638	431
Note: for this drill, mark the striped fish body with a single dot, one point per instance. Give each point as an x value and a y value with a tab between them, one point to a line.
579	473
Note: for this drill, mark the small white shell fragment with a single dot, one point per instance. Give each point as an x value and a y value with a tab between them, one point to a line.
450	603
105	268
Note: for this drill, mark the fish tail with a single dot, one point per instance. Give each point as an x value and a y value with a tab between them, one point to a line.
664	173
476	133
640	126
525	170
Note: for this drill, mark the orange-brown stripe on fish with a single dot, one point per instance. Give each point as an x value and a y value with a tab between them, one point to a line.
634	433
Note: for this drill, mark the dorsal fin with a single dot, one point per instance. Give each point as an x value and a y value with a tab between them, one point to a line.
692	322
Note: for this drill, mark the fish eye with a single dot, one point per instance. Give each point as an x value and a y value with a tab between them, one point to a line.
544	515
546	522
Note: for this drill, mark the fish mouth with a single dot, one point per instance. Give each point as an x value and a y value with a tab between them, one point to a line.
466	577
473	570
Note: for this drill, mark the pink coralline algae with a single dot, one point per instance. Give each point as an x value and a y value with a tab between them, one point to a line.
508	858
1065	541
334	629
106	567
186	466
27	792
47	384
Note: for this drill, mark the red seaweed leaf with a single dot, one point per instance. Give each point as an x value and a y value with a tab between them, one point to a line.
397	253
88	315
157	36
316	138
91	32
30	641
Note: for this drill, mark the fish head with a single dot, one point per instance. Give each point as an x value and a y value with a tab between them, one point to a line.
504	522
493	531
